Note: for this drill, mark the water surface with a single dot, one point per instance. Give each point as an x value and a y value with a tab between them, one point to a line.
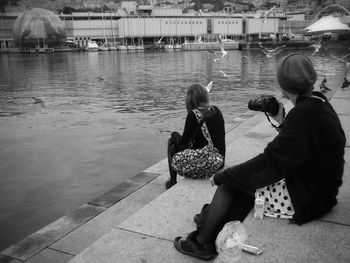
106	116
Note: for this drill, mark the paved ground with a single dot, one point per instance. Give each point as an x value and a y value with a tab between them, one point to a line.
138	220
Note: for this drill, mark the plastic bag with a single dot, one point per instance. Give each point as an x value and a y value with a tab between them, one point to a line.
228	242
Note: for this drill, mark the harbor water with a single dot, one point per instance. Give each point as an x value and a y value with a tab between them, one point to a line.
104	117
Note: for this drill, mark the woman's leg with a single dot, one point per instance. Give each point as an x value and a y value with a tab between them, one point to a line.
172	172
227	205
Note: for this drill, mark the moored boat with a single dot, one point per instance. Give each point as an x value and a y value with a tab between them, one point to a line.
168	47
91	46
122	48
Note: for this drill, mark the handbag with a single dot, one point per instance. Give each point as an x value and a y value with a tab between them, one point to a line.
198	163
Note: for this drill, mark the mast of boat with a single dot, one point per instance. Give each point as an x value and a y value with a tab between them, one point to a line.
112	25
104	26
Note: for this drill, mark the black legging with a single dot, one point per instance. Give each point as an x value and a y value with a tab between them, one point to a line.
171	169
227	205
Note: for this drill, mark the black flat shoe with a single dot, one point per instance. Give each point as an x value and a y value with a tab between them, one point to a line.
189	246
169	184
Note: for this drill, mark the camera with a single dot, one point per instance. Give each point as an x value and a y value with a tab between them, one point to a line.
264	103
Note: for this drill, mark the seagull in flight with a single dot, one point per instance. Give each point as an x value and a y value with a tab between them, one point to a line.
267	12
209	86
225	75
342	60
37	100
317	45
323	87
222	50
216	58
271	52
159	41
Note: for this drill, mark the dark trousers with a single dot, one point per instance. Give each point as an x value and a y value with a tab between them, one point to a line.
171	169
227	205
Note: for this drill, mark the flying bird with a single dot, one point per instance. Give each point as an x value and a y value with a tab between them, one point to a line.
342	60
159	41
317	46
222	50
271	52
37	100
267	13
216	58
225	75
209	86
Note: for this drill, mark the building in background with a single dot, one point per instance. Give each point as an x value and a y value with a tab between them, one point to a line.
131	23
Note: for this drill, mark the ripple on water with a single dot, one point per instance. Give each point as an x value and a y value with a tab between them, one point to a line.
94	133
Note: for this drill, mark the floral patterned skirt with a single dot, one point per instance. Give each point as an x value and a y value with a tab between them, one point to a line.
198	163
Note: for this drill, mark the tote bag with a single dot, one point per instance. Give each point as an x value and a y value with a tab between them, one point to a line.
198	163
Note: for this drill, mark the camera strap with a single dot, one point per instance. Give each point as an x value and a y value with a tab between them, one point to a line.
274	125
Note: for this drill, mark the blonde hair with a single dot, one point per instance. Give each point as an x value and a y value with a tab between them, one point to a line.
197	97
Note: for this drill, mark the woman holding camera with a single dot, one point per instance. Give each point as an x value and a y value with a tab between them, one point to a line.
198	108
302	166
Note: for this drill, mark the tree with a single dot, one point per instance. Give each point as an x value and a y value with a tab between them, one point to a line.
198	5
218	6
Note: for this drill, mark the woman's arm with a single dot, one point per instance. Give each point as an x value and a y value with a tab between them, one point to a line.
190	127
289	149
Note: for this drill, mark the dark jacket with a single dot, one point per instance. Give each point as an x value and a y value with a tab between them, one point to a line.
216	126
308	152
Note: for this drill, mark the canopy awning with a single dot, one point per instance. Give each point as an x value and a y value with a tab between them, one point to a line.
328	23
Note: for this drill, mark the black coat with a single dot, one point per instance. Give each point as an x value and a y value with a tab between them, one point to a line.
216	126
308	152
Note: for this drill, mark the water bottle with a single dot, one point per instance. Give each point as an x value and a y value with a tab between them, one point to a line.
259	206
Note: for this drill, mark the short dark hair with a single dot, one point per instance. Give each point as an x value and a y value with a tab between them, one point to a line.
197	96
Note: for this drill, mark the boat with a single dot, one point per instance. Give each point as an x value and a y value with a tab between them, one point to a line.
139	47
103	47
168	47
177	46
91	46
41	50
122	48
131	47
110	46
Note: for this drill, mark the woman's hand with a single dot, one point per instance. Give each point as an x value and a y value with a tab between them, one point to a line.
279	117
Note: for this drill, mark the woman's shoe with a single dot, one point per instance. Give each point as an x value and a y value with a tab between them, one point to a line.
169	184
189	245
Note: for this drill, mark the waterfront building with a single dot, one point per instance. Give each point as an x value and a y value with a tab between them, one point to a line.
145	24
113	27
